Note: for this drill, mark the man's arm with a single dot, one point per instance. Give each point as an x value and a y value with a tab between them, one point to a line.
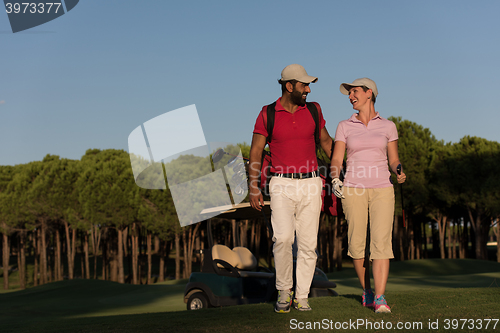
326	142
258	144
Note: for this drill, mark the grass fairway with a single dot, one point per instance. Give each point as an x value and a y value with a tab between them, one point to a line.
420	293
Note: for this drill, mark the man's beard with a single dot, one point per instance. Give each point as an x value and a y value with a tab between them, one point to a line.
297	99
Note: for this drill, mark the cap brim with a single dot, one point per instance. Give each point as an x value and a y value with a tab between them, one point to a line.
345	87
308	79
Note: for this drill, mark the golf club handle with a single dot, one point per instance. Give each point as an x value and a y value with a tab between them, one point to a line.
398	170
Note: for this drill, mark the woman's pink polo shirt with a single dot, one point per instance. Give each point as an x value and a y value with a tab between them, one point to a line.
366	145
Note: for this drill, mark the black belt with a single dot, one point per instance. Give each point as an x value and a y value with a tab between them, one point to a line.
296	175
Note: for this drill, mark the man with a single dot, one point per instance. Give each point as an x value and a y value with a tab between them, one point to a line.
295	187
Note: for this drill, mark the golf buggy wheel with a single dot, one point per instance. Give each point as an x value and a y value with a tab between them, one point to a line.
197	301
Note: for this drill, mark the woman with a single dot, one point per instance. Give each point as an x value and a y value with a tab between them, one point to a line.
367	190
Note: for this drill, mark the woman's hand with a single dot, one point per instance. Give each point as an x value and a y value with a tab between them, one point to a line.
401	178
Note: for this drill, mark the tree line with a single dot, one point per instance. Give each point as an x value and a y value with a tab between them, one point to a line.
455	186
88	217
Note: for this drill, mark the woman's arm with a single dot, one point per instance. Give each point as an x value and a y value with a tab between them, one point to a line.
392	152
337	159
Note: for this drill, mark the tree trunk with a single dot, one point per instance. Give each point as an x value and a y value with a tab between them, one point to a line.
424	232
243	234
98	236
5	260
58	257
93	242
140	257
82	267
36	246
462	244
177	256
135	254
113	255
450	242
86	253
156	244
417	237
258	233
127	244
22	260
19	259
441	222
161	251
411	236
185	246
124	240
50	256
70	241
121	271
150	260
480	244
192	236
104	254
454	240
202	240
43	253
252	236
233	228
197	249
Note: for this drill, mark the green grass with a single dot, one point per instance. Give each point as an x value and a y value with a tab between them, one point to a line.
428	274
418	291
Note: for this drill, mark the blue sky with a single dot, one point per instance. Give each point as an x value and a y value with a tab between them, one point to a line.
89	78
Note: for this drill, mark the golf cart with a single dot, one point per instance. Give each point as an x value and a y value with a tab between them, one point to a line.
232	276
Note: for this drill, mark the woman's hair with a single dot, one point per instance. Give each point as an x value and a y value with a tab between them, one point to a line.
365	89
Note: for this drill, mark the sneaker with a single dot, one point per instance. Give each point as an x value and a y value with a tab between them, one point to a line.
381	305
301	304
368	298
284	301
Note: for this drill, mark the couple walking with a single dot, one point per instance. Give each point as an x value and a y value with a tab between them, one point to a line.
295	186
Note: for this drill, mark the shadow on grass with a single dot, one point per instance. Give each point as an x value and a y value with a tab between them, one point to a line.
354	297
87	298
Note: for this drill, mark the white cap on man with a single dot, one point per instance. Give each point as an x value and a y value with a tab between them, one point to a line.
296	72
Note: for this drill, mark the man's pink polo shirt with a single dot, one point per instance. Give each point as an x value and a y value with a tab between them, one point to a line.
367	164
293	148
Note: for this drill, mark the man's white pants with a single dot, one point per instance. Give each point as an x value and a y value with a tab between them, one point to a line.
295	210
